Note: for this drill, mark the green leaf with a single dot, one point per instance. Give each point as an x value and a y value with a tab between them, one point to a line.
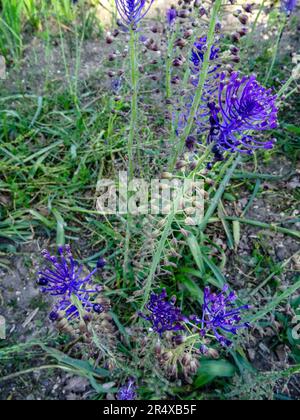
103	389
80	367
236	233
292	128
120	327
60	228
36	215
196	252
191	287
275	302
221	212
219	277
211	369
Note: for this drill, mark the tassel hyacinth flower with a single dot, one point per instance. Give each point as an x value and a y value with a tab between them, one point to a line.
127	392
210	86
164	315
288	6
243	106
220	314
64	279
133	11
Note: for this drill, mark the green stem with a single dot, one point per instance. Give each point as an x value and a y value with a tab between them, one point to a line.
257	17
262	225
170	219
171	41
200	87
219	193
286	86
264	177
280	33
132	132
134	102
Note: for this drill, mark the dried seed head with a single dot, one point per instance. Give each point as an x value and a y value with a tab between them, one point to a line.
179	339
166	175
243	19
109	39
243	31
180	164
236	37
188	33
186	359
248	7
213	353
167	356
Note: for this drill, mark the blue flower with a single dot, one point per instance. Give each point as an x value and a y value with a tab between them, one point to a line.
128	391
243	105
164	315
64	279
132	11
198	52
209	89
288	6
219	314
171	15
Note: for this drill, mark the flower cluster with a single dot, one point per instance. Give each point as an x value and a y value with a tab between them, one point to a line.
64	279
210	85
218	313
288	6
243	106
128	391
197	56
164	315
171	16
132	11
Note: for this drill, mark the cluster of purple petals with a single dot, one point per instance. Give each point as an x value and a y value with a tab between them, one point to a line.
197	56
132	11
220	315
243	106
127	392
164	315
210	85
171	16
63	278
288	6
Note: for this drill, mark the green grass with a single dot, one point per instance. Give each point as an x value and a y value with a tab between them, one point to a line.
54	147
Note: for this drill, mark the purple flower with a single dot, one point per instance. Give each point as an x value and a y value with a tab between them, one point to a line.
128	391
198	52
210	85
288	6
219	314
64	279
243	106
171	15
164	315
132	11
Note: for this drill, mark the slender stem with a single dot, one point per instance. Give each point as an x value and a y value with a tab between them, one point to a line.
171	40
219	193
286	86
262	225
257	17
134	101
35	369
280	33
200	87
170	219
132	132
